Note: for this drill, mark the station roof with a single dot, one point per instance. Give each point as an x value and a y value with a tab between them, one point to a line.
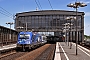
49	12
7	28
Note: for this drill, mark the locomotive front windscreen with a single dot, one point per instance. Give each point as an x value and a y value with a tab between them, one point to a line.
24	36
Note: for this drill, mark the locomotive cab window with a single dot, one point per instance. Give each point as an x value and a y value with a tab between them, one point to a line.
24	36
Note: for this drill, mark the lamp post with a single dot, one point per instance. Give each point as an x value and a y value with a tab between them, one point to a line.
66	26
64	30
71	18
76	5
10	23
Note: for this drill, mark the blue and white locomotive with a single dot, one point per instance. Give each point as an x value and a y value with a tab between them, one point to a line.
28	40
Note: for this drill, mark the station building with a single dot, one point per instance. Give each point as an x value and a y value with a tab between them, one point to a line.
51	21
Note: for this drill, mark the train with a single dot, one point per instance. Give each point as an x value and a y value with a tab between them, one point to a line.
29	40
86	42
54	39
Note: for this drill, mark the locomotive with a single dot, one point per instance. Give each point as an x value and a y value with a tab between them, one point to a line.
28	40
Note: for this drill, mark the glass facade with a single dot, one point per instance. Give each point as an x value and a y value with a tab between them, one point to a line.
46	21
51	21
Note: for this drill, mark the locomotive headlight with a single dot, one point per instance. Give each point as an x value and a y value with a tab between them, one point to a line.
29	42
19	41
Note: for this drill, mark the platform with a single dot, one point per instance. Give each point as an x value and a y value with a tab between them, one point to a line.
7	47
63	52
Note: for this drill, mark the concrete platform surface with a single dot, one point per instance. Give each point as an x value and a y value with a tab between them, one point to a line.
65	53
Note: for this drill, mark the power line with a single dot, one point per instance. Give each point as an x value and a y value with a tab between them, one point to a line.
50	4
40	5
37	4
5	12
6	15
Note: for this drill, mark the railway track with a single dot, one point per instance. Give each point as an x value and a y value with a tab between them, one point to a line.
88	47
45	52
42	53
6	54
48	54
12	56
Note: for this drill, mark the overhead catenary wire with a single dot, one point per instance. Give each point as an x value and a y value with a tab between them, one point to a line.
52	10
50	4
37	4
40	7
51	7
5	13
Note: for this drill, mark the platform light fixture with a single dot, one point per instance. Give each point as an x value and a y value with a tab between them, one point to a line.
65	30
76	5
10	23
70	18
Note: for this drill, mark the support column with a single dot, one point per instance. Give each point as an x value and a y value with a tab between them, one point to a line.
75	36
72	35
79	37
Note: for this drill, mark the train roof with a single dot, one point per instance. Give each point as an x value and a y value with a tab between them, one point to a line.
24	32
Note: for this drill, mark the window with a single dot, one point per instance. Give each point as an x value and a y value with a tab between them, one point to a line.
24	36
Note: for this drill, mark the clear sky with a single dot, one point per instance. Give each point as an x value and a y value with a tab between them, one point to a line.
8	8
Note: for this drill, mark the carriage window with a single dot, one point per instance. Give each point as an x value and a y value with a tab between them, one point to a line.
33	38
